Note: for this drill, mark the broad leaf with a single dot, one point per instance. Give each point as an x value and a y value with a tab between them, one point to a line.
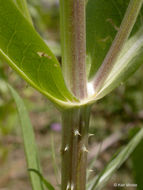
22	4
28	140
27	54
103	21
116	162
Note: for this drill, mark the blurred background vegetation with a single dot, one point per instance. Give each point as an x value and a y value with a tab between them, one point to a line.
114	119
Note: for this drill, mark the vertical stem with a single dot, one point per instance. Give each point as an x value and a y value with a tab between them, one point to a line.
74	148
74	121
73	38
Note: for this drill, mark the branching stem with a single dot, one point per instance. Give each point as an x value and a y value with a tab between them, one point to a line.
121	37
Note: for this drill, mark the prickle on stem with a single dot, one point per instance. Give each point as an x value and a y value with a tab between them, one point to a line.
90	135
84	149
77	133
66	148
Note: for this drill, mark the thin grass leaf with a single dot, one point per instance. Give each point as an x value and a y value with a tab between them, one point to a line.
28	140
45	182
123	34
129	61
116	162
137	165
103	19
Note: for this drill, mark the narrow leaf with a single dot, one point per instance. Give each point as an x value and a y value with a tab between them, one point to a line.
27	54
45	182
137	165
116	162
129	61
28	140
103	20
118	43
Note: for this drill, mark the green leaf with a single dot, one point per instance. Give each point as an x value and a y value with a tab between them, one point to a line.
27	54
129	61
22	4
137	165
103	21
116	162
29	140
45	182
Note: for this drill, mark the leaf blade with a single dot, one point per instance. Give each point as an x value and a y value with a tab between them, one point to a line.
22	4
103	20
117	161
137	163
128	62
29	55
45	182
123	34
28	140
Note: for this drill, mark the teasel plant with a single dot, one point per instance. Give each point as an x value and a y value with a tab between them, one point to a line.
101	46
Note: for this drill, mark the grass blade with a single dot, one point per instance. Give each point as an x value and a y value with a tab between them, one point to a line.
128	62
45	182
28	139
137	165
116	162
118	43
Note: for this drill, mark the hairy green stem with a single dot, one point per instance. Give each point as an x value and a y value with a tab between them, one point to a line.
121	37
74	148
73	38
75	121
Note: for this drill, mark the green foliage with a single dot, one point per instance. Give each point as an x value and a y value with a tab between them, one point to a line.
29	140
26	53
45	182
117	160
137	164
22	5
7	111
124	57
103	21
130	59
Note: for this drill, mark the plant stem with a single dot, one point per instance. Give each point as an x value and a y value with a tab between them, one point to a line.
74	148
73	38
75	121
121	37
